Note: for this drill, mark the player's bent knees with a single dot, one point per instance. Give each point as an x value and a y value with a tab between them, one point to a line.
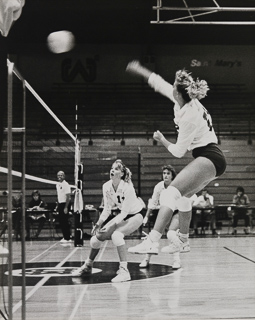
139	219
95	243
107	232
184	204
171	234
118	238
169	197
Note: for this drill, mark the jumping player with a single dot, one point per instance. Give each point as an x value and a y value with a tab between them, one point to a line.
196	134
117	192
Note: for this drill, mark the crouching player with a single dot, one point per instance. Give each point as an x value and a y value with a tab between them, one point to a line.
168	175
117	192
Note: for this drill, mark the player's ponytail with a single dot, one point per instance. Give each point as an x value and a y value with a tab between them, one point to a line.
197	89
189	88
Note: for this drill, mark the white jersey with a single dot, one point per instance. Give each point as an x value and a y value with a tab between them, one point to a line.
124	199
193	122
200	201
154	201
63	188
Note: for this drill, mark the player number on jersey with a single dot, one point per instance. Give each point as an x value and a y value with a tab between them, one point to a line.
208	119
119	199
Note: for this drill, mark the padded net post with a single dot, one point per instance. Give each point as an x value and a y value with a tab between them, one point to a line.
78	199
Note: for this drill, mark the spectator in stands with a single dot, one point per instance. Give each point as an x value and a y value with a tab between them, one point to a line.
205	200
118	192
33	214
241	202
196	133
17	215
64	202
168	175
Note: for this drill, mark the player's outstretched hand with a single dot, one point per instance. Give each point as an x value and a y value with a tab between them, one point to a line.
158	135
95	227
133	66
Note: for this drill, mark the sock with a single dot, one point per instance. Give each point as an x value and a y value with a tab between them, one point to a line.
183	237
176	256
89	262
123	264
155	236
147	257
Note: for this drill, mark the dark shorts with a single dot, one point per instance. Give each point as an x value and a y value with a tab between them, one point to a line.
213	153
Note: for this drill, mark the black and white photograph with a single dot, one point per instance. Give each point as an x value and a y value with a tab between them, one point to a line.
127	159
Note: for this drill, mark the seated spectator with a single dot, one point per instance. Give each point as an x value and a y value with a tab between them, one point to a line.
240	204
17	207
205	200
35	206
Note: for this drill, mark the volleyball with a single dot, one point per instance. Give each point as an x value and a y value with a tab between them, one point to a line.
60	41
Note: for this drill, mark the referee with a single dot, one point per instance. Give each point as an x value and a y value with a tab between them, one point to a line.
64	201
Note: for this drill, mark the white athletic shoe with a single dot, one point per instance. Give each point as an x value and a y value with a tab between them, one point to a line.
185	247
176	245
83	270
147	246
65	241
144	264
122	275
176	264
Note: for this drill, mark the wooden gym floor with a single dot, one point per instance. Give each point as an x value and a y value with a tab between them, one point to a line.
216	281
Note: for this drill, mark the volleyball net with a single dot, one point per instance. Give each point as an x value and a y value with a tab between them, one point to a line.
37	145
50	145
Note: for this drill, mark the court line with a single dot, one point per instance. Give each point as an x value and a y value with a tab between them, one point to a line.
102	250
78	303
42	282
43	252
85	289
66	258
240	255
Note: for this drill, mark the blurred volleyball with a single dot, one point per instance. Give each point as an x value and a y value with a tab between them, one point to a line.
60	41
216	184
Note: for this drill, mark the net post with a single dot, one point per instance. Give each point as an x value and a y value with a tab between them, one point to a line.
9	181
78	200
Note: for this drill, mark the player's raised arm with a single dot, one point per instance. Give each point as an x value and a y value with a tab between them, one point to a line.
134	67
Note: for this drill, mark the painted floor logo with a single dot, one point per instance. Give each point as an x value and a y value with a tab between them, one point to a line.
53	272
102	272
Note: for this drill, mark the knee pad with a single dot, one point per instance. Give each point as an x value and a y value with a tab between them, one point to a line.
95	243
118	238
184	204
169	197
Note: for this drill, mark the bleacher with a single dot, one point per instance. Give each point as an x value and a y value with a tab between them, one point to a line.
45	160
135	110
114	120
